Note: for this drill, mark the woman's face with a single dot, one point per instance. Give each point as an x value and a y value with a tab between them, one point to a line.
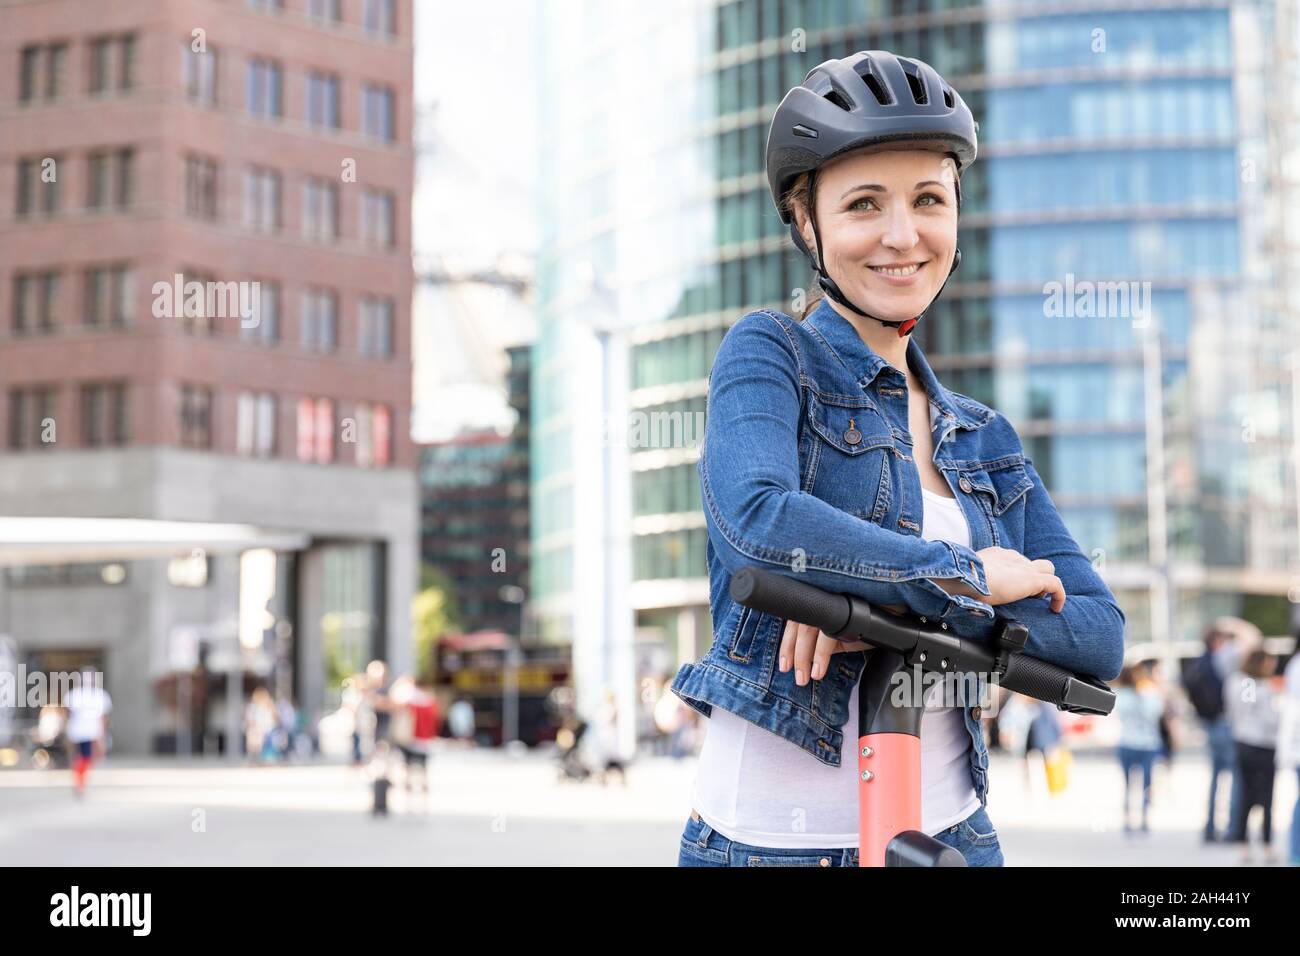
880	212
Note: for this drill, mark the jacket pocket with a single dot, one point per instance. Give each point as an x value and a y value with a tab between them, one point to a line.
748	633
850	455
1003	481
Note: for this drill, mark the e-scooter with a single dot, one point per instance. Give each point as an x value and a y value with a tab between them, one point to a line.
889	723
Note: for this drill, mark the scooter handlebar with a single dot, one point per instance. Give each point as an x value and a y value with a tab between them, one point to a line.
850	618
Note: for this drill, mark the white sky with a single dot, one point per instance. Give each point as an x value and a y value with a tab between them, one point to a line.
475	200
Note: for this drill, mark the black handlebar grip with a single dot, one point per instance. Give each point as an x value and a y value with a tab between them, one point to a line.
790	599
1044	681
1035	678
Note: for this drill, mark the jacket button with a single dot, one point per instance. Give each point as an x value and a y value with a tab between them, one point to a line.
975	712
825	862
964	484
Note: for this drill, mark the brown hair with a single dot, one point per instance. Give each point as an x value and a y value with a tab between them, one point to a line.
1259	664
798	197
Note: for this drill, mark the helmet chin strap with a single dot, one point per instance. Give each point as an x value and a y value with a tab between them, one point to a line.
828	284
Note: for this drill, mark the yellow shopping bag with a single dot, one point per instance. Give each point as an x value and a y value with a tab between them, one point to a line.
1058	770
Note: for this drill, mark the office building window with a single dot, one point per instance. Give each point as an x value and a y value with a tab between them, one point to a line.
320	210
199	74
271	6
316	430
379	17
31	418
37	192
263	83
263	326
112	63
255	424
322	100
41	71
201	187
103	414
36	298
110	178
107	296
196	416
375	327
374	436
197	317
377	112
377	214
319	331
325	11
262	199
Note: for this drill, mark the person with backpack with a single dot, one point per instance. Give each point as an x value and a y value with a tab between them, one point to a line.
1203	682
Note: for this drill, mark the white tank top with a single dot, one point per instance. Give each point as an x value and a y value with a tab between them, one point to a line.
757	788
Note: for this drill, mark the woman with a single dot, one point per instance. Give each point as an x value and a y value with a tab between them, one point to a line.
833	453
1253	701
1138	708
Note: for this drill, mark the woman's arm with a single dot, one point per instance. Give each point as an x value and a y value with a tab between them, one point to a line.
1087	635
757	514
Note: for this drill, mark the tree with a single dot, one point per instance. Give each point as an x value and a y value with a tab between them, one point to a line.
434	612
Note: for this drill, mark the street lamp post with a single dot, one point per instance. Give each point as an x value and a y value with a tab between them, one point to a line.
512	594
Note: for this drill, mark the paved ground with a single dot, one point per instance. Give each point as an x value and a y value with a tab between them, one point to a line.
490	808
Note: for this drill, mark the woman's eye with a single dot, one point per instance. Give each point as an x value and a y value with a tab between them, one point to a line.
937	200
860	202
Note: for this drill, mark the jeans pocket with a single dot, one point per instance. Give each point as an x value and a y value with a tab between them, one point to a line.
701	845
978	829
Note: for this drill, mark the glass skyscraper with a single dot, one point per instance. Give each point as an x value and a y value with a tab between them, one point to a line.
1134	147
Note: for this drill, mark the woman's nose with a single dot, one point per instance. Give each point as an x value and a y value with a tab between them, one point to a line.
900	230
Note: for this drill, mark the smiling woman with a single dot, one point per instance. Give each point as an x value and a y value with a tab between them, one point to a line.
833	453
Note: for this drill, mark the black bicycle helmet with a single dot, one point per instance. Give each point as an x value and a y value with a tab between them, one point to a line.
869	98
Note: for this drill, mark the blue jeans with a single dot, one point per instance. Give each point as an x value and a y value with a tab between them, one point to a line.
1130	759
701	845
1223	757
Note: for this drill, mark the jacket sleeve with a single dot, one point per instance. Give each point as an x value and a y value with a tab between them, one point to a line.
758	516
1087	636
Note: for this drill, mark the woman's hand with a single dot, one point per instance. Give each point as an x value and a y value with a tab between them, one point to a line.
809	651
1011	577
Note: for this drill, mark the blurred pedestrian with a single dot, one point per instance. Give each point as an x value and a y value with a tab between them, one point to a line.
1203	684
378	697
460	721
1016	719
1253	702
1139	706
354	705
1288	745
260	719
605	742
413	725
88	708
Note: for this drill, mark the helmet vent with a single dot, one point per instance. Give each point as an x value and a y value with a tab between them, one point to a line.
835	97
947	100
877	88
919	94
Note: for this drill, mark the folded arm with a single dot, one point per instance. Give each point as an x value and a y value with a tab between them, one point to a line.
757	514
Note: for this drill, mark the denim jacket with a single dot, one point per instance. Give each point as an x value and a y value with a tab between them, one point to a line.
806	469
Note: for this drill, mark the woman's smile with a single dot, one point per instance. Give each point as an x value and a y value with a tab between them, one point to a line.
902	274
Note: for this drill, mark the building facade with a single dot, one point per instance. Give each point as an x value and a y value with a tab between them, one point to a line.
205	285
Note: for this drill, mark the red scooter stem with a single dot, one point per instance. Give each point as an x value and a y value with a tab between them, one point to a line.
889	792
